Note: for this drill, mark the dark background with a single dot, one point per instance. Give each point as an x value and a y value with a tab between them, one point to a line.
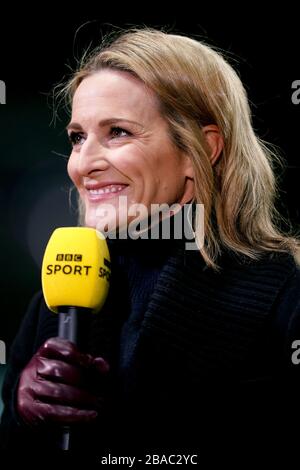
38	44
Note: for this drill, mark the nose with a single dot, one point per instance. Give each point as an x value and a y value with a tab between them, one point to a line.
92	157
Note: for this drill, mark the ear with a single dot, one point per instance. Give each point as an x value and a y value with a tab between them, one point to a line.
215	142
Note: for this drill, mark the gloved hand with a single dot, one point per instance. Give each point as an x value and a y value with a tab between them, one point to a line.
53	386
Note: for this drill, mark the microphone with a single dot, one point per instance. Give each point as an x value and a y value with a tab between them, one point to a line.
76	272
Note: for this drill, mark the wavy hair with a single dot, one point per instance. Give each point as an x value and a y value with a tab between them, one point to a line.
195	87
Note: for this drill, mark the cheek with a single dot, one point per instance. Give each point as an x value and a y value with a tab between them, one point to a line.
143	170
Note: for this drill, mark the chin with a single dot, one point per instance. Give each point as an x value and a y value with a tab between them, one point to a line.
90	223
105	225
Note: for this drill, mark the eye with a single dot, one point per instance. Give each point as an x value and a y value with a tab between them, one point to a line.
116	132
76	138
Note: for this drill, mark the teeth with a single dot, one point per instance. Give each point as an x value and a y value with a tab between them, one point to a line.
107	190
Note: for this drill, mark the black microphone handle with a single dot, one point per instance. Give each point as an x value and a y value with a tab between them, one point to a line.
68	321
67	329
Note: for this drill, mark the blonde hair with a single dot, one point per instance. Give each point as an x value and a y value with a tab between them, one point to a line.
195	87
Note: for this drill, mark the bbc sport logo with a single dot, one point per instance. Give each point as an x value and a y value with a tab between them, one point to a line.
2	353
68	257
2	92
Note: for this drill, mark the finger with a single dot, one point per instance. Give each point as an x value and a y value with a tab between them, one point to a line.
101	365
63	394
58	348
45	412
59	371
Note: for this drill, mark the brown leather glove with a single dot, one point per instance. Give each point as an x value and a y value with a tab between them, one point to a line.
56	385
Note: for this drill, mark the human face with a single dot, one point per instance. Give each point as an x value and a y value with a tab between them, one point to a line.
121	147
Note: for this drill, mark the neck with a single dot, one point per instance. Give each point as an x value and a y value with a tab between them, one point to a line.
161	225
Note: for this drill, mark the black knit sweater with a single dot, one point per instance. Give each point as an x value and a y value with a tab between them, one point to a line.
189	348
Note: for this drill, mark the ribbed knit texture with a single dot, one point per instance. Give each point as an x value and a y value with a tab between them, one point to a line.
215	319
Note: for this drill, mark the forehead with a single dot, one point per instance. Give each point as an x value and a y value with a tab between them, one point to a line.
111	91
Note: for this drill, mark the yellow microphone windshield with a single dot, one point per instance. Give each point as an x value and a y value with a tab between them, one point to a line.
76	269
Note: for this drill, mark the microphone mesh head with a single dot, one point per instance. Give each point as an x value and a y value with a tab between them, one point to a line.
76	269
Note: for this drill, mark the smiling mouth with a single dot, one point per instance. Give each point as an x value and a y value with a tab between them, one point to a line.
105	192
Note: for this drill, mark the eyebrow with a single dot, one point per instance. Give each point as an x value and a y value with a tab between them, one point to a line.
105	122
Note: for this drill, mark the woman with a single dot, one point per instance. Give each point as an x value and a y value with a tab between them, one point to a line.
188	341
